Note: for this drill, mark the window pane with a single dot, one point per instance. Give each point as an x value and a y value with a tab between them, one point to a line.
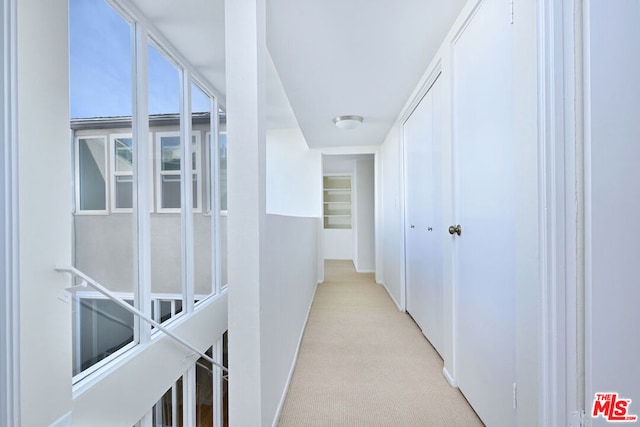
123	154
100	60
167	412
92	171
170	153
204	391
170	191
103	328
100	57
202	223
166	231
124	192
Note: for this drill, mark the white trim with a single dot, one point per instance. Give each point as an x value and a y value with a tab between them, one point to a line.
447	376
558	212
399	307
584	361
9	246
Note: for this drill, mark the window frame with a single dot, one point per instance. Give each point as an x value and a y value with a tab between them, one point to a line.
144	35
76	151
113	173
159	173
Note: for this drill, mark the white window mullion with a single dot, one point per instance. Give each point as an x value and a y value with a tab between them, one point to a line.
9	269
189	397
174	404
214	194
141	194
186	194
217	385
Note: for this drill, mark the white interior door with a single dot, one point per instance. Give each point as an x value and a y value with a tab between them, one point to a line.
613	202
423	167
484	197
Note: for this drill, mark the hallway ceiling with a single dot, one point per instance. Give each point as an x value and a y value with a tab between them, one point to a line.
333	57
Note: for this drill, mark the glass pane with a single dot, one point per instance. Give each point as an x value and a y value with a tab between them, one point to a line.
99	61
170	153
103	328
124	192
166	233
92	168
123	154
167	412
202	223
204	391
170	191
100	69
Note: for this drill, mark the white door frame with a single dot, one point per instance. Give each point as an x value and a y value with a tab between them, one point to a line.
9	302
561	198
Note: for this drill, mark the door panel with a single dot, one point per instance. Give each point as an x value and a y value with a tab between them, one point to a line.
613	203
423	167
485	208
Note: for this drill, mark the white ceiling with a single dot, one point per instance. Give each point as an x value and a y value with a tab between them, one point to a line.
333	57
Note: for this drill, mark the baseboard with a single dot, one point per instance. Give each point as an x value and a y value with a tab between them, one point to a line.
276	419
449	378
365	271
63	421
391	296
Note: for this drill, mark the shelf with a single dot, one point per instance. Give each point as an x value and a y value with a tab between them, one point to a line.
337	201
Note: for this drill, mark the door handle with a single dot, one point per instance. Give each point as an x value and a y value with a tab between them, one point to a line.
413	226
455	229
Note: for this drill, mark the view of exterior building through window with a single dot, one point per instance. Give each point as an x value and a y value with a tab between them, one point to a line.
149	214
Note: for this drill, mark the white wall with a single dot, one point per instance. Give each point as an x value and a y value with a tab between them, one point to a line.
45	210
365	214
286	296
294	175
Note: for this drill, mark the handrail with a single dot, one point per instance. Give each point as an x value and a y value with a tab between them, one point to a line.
88	281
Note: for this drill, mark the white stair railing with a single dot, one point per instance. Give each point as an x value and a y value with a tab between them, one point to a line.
88	281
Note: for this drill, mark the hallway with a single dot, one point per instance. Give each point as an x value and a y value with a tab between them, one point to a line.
363	363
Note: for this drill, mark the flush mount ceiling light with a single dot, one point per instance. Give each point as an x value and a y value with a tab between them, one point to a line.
348	122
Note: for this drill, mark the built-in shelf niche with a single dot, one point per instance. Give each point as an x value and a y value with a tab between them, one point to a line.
337	201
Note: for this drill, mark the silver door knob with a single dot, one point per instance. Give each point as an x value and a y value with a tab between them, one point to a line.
455	229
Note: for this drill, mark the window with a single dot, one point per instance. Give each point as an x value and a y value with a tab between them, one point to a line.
115	236
103	328
91	167
104	246
122	151
169	163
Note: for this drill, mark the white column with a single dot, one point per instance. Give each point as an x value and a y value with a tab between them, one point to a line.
245	61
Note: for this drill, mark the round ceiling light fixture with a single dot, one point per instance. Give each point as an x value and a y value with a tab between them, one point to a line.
348	122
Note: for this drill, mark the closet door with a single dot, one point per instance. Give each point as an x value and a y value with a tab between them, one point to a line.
612	240
424	229
485	199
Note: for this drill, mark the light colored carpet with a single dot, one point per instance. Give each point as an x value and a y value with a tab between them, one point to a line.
363	363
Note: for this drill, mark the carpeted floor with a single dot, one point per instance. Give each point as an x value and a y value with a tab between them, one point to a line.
363	363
